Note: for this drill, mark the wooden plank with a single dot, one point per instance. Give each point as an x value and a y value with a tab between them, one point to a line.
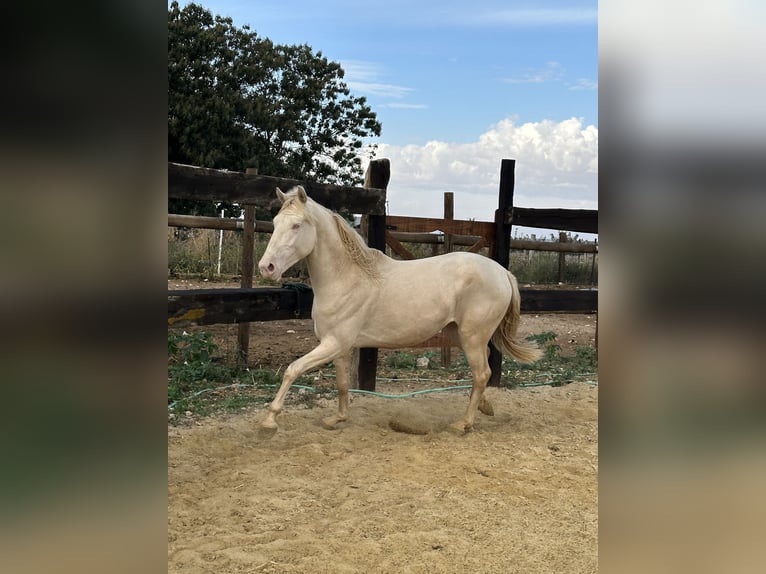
559	300
562	257
478	246
432	238
199	183
397	247
226	223
228	306
530	245
582	220
246	282
520	244
400	223
201	222
449	216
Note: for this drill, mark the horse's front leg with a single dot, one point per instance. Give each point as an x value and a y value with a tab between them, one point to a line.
325	352
343	382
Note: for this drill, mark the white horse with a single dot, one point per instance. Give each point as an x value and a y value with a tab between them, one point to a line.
363	298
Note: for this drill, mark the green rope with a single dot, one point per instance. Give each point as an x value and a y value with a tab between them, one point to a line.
371	393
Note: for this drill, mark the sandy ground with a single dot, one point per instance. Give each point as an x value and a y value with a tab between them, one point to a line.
517	494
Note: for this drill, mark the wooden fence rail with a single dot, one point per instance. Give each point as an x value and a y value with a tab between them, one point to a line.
230	224
582	220
231	306
203	184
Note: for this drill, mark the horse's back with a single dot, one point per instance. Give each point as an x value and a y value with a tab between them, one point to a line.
415	299
457	270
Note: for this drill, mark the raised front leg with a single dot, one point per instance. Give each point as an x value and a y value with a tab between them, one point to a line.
343	382
325	352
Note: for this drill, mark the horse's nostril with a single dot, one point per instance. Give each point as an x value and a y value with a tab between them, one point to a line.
271	267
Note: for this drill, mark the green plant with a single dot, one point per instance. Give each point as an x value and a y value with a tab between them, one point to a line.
192	365
546	342
553	368
542	267
401	360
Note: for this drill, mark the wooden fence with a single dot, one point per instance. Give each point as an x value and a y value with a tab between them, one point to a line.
209	306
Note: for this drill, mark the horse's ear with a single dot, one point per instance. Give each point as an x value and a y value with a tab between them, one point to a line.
302	194
281	195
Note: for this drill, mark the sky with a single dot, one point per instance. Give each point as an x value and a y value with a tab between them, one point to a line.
457	87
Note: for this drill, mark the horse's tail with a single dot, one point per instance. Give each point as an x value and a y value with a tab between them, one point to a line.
505	338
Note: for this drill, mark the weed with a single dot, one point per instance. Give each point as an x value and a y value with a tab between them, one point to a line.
401	360
552	368
200	382
193	367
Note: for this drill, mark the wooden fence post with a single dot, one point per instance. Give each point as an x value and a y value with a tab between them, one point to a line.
246	281
562	257
593	265
502	246
449	215
377	176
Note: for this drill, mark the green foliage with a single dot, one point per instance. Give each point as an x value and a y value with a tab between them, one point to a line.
554	368
192	365
546	342
236	100
401	360
196	253
199	382
542	267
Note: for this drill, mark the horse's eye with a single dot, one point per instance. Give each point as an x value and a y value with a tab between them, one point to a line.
296	225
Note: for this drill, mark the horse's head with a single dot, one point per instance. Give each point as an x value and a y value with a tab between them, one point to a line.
294	235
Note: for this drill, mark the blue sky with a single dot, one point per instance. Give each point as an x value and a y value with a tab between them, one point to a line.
457	86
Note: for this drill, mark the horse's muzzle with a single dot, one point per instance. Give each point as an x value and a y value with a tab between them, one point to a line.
268	271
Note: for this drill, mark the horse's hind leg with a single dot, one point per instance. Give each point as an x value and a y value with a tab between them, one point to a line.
476	353
343	382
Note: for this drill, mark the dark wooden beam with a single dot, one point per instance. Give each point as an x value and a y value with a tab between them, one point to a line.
200	183
582	220
501	247
559	300
246	282
211	306
377	176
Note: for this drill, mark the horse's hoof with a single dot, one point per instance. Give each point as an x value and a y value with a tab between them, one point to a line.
331	423
269	428
461	427
486	407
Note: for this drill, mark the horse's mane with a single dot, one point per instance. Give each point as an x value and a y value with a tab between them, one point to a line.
358	252
353	244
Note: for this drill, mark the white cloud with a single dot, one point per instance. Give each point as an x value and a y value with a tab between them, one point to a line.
551	71
583	84
556	166
364	77
377	89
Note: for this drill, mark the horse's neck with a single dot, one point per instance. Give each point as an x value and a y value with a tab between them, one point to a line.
329	263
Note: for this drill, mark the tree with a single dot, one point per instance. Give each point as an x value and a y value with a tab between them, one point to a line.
236	100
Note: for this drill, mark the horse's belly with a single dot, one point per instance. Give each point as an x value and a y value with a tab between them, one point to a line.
403	325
